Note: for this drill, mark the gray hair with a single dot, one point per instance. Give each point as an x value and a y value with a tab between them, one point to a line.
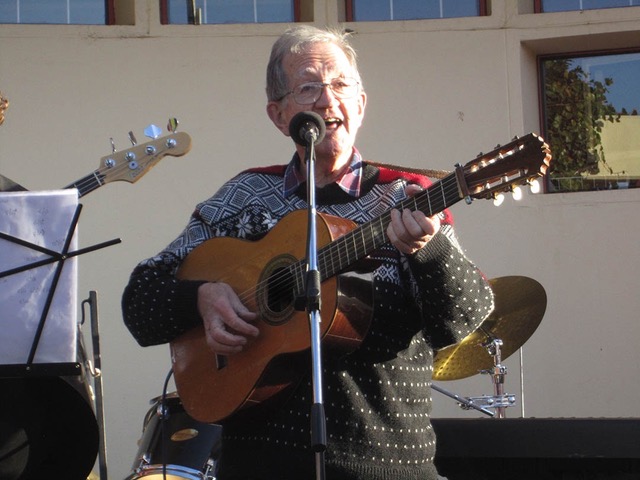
295	40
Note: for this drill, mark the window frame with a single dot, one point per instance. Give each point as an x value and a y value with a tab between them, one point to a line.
109	14
537	7
164	13
349	11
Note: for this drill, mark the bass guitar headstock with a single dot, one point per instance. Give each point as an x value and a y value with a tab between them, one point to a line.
131	164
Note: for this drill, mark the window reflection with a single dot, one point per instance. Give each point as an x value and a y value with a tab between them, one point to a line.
77	12
592	121
224	11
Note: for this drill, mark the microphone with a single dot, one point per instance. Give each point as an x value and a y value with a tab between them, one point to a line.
306	127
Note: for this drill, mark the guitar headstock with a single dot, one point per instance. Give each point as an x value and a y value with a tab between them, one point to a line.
517	163
131	164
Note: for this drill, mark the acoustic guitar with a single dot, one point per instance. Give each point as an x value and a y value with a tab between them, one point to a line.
269	275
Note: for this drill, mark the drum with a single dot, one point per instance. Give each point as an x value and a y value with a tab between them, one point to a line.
174	445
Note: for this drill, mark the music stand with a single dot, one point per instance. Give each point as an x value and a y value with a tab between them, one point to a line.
60	363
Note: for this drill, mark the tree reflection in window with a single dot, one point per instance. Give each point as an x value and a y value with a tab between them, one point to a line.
591	122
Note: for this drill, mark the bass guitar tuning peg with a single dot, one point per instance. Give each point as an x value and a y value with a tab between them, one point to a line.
172	126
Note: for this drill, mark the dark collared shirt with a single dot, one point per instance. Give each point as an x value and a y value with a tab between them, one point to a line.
350	181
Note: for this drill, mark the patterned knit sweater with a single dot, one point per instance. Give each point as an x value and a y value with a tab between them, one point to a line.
378	398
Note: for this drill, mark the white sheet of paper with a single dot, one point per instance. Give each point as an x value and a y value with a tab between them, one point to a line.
42	218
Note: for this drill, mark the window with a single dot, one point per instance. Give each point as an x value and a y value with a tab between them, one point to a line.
547	6
377	10
77	12
591	121
229	11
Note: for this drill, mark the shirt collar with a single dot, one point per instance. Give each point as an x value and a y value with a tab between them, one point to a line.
350	182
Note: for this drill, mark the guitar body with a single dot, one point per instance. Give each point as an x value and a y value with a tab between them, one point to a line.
212	387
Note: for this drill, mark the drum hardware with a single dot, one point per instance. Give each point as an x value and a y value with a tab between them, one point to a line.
174	446
465	403
95	370
83	358
499	401
520	303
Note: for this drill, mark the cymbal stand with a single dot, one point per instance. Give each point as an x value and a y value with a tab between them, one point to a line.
499	401
463	402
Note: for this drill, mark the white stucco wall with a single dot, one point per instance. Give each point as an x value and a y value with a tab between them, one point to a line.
439	91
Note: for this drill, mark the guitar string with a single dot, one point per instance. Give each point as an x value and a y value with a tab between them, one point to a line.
94	178
282	279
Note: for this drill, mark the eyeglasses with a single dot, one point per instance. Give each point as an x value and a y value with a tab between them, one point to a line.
310	92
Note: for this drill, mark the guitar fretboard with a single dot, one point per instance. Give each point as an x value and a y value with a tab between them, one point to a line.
363	240
89	183
345	251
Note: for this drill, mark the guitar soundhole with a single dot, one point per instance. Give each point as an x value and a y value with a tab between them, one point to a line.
280	290
276	299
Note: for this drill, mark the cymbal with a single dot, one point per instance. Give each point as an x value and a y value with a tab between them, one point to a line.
520	303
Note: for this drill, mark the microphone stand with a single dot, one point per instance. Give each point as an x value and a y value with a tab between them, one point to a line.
313	300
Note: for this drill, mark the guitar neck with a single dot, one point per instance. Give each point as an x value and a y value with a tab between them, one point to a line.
89	183
342	253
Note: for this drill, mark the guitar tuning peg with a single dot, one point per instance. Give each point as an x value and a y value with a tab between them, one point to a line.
113	145
497	146
479	155
132	139
172	126
498	199
534	186
152	131
517	193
